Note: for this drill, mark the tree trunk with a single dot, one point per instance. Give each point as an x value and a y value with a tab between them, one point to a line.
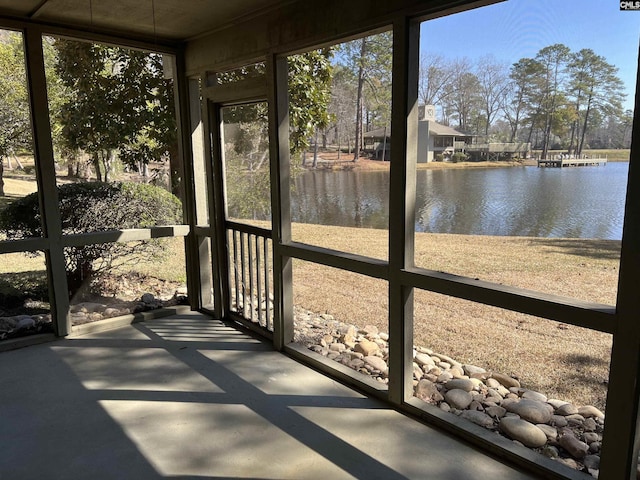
547	135
358	139
514	131
533	122
18	162
108	160
384	145
584	126
573	135
2	194
96	164
574	127
315	151
79	278
515	124
176	169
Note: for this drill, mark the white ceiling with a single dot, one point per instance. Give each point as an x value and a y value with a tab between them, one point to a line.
175	20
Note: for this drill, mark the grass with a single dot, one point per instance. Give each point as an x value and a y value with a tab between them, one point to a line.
612	154
16	188
169	266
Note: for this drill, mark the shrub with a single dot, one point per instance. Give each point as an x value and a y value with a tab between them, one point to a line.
458	157
91	207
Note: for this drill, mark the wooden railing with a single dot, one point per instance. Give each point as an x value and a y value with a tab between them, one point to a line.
499	147
250	274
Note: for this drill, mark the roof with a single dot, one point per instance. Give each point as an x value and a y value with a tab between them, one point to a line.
377	133
435	128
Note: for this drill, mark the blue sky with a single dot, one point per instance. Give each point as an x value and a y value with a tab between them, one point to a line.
520	28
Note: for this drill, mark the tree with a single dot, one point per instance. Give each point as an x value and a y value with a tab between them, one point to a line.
117	101
342	107
620	129
563	95
518	101
434	79
595	87
15	122
57	95
553	60
493	83
309	95
614	131
462	99
369	59
156	136
89	116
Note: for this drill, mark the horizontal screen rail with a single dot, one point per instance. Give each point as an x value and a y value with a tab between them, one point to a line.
25	245
128	235
370	267
250	229
93	238
594	316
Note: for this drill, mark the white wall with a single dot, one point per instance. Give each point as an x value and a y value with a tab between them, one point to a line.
425	143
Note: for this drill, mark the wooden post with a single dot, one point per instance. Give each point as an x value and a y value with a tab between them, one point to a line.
278	96
404	154
46	176
620	442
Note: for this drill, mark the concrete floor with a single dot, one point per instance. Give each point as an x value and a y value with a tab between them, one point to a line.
190	398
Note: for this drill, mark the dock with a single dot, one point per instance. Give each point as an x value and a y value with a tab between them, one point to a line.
561	162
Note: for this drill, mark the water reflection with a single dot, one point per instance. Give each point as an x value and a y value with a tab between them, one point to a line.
344	198
583	202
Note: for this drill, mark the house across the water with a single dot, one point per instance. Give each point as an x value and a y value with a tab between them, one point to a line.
437	142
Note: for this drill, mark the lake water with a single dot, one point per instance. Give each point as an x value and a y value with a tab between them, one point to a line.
577	202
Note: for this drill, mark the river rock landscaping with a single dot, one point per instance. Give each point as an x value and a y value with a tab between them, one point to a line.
570	434
33	317
81	313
